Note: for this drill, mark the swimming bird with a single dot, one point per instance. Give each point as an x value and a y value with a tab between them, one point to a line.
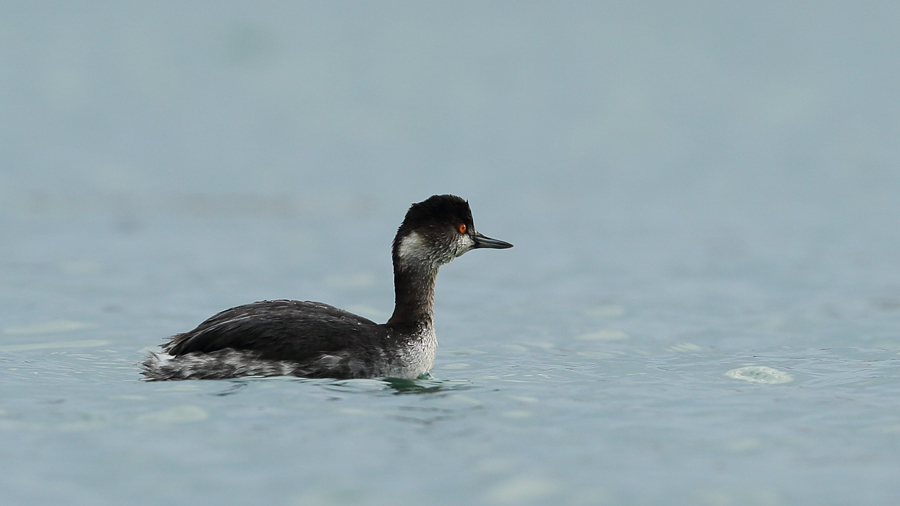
316	340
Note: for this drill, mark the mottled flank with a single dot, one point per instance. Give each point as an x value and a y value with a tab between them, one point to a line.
227	363
315	340
411	359
293	338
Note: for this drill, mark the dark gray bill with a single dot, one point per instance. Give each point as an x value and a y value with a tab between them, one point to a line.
483	241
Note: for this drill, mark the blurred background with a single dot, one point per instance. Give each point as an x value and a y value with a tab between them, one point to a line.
767	131
702	116
717	173
695	107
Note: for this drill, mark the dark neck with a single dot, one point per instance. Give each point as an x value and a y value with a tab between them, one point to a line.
413	295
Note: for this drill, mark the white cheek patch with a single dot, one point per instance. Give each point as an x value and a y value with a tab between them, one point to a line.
413	248
465	243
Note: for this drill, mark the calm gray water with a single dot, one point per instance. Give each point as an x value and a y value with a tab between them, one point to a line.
702	307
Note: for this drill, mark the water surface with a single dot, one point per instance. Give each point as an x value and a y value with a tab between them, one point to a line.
702	306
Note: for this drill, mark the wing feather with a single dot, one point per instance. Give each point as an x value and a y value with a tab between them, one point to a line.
280	329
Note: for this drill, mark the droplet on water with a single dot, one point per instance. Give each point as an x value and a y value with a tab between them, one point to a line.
760	374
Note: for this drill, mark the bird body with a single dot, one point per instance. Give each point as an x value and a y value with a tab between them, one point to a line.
316	340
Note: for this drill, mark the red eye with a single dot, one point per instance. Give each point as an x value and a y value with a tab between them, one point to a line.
462	228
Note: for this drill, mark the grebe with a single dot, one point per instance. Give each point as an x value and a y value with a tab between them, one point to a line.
315	340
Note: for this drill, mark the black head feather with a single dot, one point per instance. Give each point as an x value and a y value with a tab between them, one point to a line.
437	211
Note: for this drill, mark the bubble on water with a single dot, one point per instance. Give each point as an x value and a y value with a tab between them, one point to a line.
178	414
604	335
760	374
